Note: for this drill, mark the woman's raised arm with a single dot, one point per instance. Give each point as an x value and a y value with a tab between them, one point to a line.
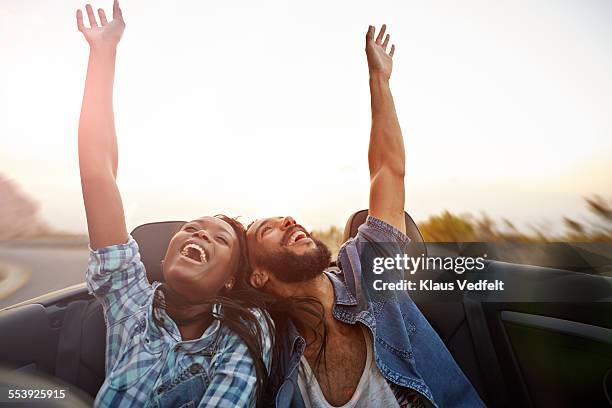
97	138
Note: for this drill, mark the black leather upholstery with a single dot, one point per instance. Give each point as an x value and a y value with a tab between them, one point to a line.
153	239
359	217
93	346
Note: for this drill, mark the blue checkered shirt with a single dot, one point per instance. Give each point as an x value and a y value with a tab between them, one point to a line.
143	358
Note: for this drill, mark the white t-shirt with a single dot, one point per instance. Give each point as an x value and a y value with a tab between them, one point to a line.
372	389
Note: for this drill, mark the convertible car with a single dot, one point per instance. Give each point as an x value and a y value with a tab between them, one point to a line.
544	341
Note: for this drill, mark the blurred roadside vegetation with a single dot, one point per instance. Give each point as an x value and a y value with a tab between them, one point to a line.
449	227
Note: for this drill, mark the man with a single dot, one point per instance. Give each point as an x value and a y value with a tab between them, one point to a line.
344	344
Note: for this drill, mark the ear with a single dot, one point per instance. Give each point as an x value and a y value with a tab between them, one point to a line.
259	278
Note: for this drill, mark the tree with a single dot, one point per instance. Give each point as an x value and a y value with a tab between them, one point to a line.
19	213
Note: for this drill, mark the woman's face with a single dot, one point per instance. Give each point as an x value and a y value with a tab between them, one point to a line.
201	258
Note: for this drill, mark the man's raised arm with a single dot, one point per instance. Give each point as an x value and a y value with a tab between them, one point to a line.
386	157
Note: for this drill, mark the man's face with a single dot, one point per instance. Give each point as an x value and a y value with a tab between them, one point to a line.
282	247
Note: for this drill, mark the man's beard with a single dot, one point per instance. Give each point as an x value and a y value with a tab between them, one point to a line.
288	267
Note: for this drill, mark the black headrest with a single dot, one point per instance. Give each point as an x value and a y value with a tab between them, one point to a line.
153	239
412	231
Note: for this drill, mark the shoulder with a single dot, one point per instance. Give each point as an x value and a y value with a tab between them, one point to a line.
115	257
117	272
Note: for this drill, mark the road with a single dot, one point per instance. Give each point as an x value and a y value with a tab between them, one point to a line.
52	268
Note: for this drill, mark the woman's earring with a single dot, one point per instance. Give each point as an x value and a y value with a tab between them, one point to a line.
228	285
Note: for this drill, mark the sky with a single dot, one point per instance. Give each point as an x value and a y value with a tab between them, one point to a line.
261	108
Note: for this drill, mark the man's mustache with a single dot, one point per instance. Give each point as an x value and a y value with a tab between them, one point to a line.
291	230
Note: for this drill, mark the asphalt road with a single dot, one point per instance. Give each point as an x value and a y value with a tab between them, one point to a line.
52	268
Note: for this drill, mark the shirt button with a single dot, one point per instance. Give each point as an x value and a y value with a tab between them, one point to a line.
195	368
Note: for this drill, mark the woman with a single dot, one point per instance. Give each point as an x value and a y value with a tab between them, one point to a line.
184	342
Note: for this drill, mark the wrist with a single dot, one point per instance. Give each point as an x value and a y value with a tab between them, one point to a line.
103	50
379	78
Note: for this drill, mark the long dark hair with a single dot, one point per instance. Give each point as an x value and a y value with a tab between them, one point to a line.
235	310
292	308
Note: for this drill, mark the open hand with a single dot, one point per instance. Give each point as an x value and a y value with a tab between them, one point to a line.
379	61
105	35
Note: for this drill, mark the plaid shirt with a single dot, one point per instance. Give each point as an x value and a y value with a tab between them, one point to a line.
143	359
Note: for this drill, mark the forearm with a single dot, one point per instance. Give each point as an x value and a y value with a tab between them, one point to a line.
386	149
97	139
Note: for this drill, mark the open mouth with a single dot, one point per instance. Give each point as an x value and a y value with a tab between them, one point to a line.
195	253
295	237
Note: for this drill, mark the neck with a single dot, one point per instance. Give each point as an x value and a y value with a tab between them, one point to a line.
190	330
322	290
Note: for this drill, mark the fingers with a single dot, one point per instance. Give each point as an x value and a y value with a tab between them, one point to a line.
384	45
79	15
117	13
370	33
90	15
392	51
381	34
102	15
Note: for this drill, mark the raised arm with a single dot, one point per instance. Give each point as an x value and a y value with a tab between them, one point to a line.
386	156
97	139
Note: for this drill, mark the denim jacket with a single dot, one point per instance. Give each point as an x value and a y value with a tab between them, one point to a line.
407	350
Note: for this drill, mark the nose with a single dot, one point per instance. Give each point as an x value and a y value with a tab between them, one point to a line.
202	235
287	222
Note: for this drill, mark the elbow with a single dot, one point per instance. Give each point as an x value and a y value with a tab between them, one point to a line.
94	164
394	172
391	160
92	173
398	172
395	168
398	167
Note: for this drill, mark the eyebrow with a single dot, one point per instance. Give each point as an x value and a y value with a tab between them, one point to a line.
259	227
262	224
199	223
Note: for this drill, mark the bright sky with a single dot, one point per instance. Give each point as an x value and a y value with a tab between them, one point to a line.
261	108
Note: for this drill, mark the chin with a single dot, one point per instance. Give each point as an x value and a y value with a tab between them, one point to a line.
181	276
302	249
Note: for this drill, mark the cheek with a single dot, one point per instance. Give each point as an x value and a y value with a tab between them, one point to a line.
174	244
225	264
271	242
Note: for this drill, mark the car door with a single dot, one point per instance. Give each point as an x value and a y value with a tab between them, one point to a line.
546	339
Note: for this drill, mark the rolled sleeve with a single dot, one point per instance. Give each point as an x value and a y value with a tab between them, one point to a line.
375	240
117	278
375	230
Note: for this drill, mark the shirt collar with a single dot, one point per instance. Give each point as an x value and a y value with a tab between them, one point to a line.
169	332
343	295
